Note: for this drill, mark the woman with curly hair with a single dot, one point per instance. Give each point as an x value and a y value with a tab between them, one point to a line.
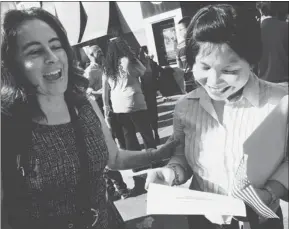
54	141
122	76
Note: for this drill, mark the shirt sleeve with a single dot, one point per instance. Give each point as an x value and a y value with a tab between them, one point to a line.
179	157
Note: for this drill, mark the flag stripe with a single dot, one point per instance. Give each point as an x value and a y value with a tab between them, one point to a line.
242	189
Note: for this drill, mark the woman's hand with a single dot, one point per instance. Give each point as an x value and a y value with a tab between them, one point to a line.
106	110
166	150
163	176
264	195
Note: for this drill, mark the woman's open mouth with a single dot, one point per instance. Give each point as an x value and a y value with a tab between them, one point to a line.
219	90
52	76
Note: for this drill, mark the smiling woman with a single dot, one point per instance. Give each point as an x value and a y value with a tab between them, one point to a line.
214	121
41	58
220	71
27	56
54	141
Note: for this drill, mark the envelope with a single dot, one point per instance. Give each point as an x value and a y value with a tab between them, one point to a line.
168	200
266	145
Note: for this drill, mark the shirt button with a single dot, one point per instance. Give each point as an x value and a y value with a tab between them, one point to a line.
70	225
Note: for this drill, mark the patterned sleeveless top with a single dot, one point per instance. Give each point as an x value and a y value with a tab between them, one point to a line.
54	167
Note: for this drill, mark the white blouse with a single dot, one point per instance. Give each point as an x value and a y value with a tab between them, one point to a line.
213	150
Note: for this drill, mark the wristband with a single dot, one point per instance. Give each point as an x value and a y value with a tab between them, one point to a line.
106	107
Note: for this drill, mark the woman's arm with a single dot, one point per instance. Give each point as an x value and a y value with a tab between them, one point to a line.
278	183
124	159
105	95
140	68
136	69
276	187
179	162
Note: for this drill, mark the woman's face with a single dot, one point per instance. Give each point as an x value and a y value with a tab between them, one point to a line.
124	64
220	70
41	57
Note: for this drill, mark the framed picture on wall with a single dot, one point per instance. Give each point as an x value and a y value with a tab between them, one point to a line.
166	41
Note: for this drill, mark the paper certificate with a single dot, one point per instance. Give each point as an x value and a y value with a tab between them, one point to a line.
168	200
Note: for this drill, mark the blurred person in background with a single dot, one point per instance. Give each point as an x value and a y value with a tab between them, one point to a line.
116	187
273	65
121	84
94	72
149	87
182	26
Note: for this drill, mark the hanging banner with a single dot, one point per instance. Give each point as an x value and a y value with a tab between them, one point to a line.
97	20
69	15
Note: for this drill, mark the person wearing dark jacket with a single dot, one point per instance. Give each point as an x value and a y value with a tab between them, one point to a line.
273	65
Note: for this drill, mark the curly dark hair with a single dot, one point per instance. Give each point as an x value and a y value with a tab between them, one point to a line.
14	87
117	48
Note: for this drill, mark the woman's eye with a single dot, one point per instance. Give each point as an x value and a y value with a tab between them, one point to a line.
35	52
206	68
233	72
56	47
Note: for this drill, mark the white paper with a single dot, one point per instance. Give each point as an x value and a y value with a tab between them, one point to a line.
168	200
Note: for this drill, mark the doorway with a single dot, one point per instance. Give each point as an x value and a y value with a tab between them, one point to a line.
166	41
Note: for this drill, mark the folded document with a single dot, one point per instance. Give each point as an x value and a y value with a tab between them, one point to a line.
266	147
166	200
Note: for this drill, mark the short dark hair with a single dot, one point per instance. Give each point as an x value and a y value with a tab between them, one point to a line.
185	20
223	23
16	88
141	54
144	49
266	8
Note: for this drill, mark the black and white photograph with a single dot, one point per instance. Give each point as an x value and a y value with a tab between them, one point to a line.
144	114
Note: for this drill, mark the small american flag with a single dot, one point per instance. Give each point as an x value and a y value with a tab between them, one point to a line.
242	189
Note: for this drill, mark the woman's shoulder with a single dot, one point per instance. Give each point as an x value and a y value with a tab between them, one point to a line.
272	93
189	100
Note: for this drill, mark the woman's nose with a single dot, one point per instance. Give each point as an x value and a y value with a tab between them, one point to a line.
212	78
50	56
